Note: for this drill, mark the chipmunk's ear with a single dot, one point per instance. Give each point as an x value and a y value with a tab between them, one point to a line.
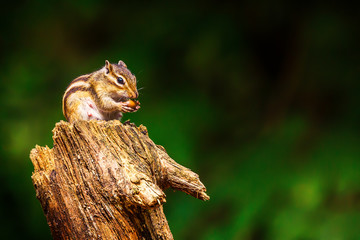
121	63
108	66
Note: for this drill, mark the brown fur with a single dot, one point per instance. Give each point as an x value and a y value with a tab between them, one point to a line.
98	95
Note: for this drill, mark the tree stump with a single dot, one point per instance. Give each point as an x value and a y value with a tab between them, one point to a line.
105	180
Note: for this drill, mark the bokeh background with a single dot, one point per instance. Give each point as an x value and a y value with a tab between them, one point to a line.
260	98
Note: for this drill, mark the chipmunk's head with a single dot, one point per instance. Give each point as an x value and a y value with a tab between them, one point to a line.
120	82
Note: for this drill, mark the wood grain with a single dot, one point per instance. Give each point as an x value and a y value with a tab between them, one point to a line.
106	180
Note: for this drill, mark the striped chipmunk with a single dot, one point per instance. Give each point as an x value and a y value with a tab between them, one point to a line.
103	95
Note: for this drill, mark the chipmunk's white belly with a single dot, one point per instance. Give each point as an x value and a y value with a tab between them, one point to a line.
87	110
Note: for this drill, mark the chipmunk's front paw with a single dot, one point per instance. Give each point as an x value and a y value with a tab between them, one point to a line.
130	106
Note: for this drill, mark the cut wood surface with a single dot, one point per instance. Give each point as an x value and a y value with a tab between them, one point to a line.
105	180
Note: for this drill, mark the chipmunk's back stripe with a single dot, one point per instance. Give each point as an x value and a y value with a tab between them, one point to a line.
82	78
79	81
75	89
67	94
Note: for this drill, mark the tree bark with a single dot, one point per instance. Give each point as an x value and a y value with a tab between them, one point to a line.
105	180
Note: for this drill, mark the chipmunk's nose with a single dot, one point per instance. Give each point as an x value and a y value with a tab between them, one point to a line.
132	94
135	95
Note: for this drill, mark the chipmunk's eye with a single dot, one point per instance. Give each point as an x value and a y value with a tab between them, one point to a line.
121	80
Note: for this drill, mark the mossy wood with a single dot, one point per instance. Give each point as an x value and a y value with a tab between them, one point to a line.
105	180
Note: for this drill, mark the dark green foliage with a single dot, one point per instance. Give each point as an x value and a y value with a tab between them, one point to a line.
261	99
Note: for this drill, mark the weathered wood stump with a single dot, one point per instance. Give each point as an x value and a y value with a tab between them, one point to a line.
105	180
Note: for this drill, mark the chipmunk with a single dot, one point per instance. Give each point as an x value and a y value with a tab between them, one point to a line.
102	95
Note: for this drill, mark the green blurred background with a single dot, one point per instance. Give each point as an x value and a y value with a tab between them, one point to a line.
260	98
